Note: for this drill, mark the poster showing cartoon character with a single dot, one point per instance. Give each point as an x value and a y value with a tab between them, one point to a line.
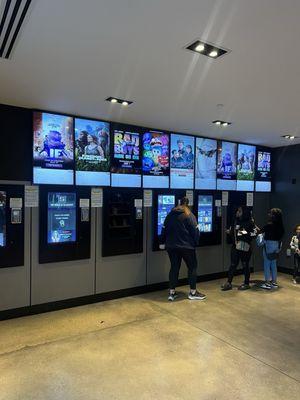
227	156
182	161
155	153
206	164
126	151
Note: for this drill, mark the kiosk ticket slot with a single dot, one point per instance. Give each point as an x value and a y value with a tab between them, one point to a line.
122	222
11	226
209	222
64	235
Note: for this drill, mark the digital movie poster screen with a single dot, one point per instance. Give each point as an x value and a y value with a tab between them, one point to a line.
165	205
182	161
227	166
205	213
61	217
92	152
2	219
263	171
53	149
126	166
156	163
246	167
206	163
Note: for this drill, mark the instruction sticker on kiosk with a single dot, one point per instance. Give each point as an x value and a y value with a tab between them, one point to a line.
190	195
225	196
97	197
138	204
31	196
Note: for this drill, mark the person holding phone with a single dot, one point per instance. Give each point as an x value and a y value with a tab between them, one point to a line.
241	232
180	236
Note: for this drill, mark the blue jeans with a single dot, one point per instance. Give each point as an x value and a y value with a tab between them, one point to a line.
270	266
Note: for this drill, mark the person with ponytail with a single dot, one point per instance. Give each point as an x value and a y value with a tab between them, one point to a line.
180	236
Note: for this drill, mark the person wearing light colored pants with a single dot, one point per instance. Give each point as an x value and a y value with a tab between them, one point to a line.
270	266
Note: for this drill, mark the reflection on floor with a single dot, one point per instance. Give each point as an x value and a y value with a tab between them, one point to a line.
234	345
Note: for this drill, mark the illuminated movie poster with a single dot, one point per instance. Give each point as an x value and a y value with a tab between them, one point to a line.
156	167
53	148
226	169
206	163
2	219
263	165
126	157
246	162
182	161
92	152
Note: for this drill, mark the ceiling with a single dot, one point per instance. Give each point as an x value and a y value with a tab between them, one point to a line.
72	54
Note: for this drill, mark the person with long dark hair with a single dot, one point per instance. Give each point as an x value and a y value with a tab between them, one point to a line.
180	234
241	231
273	233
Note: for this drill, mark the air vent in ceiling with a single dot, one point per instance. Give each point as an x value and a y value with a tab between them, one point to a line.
12	16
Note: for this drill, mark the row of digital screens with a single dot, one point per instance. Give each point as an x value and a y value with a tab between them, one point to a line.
205	211
104	154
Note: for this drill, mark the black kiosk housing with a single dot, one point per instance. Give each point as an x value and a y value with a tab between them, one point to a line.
209	217
12	226
162	205
65	228
122	221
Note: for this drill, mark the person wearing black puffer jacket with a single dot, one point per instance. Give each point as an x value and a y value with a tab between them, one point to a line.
180	235
242	231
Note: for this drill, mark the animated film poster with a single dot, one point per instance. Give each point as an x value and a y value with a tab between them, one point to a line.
227	157
53	146
263	165
156	153
126	152
206	163
246	162
92	145
182	161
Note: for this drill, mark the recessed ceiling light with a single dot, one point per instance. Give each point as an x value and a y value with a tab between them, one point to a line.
290	137
213	54
221	123
207	49
120	101
200	47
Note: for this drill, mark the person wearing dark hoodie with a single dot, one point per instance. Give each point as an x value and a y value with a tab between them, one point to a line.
180	235
241	232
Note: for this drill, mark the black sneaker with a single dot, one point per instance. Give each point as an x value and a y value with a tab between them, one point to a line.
172	296
226	286
274	285
244	287
196	296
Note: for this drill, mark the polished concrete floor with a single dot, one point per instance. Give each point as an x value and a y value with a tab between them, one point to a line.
234	345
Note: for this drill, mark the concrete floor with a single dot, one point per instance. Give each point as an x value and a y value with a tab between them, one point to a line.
234	345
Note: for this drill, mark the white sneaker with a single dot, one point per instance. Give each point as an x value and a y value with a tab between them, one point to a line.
266	286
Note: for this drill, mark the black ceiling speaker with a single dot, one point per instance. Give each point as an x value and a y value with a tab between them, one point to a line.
12	16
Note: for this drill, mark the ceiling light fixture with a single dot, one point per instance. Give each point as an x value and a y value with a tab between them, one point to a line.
290	137
207	49
221	123
115	100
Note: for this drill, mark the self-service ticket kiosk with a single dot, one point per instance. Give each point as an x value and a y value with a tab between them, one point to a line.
14	248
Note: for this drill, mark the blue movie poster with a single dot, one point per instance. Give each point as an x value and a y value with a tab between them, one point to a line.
182	161
53	148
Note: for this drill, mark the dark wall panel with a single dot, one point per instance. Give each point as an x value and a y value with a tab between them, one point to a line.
286	193
15	143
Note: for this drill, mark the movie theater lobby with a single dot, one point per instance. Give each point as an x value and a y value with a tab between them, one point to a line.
149	200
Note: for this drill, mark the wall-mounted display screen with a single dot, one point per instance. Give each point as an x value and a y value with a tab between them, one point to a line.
246	167
263	170
206	164
182	161
126	157
92	155
156	165
2	219
61	217
205	213
165	205
226	169
53	149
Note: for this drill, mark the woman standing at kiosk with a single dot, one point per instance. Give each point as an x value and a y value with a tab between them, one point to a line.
180	234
